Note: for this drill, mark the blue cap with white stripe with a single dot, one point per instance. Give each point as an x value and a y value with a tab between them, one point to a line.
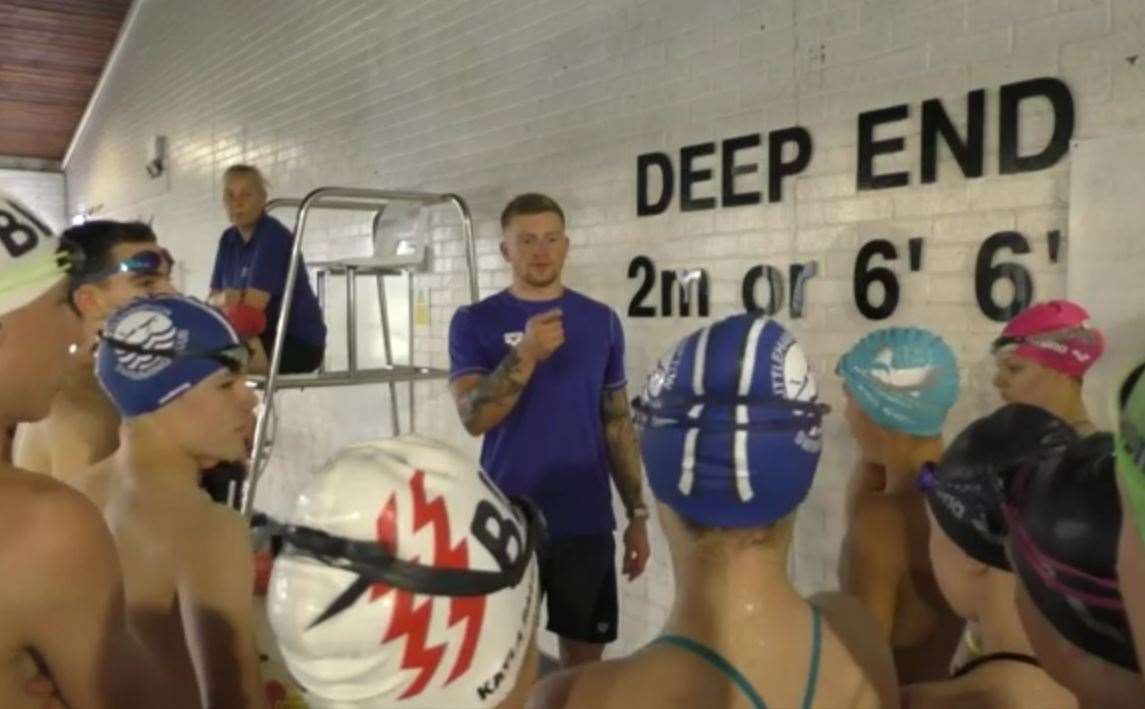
730	424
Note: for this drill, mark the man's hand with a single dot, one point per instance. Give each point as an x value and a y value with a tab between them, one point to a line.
544	333
636	550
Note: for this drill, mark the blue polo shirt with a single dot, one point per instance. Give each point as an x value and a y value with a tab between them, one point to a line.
261	263
551	446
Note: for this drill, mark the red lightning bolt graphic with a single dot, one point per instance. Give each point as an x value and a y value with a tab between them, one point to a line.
470	609
412	621
406	620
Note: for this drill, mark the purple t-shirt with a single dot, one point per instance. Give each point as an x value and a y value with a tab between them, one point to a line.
550	447
262	263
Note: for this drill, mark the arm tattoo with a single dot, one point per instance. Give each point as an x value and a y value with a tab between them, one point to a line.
498	388
623	446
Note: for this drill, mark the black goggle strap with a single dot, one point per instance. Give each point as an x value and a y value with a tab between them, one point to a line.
1059	336
372	563
233	358
806	415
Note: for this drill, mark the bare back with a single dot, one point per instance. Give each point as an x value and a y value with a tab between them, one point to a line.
177	547
850	673
885	562
61	604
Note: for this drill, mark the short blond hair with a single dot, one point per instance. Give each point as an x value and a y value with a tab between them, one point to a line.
243	170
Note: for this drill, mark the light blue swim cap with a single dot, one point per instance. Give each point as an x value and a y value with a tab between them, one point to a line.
904	378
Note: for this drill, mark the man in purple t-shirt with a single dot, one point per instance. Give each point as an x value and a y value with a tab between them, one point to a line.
539	370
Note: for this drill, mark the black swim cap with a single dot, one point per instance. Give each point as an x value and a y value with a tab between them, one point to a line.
966	490
1064	525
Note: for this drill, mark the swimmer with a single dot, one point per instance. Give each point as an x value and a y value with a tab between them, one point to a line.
407	579
731	434
1042	356
899	385
121	261
174	368
64	636
1064	526
965	492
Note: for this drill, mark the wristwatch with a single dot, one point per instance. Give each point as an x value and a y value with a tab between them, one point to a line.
638	512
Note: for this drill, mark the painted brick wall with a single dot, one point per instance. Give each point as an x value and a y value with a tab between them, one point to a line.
43	192
488	99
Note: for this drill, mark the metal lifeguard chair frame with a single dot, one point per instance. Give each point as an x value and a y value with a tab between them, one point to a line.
353	199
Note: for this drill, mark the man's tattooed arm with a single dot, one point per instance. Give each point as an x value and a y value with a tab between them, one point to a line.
623	447
483	401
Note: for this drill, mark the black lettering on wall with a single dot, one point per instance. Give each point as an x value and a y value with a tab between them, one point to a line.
690	176
773	279
869	148
636	307
728	196
644	206
777	168
969	152
1009	118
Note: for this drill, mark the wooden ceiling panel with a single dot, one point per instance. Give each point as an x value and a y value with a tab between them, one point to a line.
51	55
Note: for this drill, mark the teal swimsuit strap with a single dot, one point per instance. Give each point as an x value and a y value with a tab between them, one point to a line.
715	660
813	672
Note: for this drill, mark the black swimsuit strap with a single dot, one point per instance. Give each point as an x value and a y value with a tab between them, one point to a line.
992	657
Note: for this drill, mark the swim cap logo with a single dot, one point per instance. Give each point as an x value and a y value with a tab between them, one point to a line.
791	376
664	375
150	328
17	237
884	371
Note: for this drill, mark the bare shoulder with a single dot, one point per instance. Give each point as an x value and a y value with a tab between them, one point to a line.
215	534
40	508
51	531
863	640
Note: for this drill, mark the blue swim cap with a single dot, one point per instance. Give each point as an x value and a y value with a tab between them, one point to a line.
904	378
155	348
730	426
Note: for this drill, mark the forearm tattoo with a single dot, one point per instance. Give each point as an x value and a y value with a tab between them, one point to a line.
623	447
499	388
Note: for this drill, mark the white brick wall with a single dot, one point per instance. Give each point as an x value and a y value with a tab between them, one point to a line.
489	99
43	192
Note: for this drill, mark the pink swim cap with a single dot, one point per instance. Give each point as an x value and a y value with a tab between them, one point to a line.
1056	334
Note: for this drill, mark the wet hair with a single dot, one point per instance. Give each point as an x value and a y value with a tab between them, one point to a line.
530	203
97	238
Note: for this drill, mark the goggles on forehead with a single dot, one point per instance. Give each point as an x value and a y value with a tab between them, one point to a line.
148	262
234	358
1043	339
373	563
1096	591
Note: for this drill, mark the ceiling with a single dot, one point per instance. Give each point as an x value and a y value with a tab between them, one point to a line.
51	55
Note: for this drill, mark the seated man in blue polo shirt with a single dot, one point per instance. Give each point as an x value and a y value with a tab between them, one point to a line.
250	278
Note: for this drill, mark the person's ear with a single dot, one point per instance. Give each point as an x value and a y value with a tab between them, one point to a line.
88	302
504	246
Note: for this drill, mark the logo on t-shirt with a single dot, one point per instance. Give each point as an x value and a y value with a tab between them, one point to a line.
514	338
